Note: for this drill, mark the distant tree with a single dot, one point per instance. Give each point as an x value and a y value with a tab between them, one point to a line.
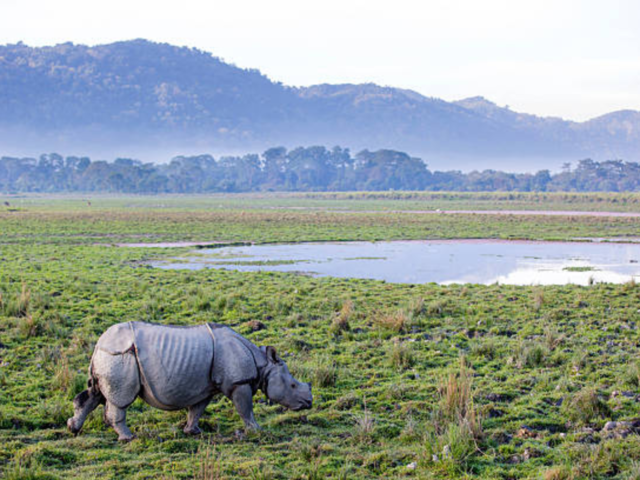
301	169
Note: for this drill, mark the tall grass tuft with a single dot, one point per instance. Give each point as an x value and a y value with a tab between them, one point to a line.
18	306
455	400
530	354
208	464
364	424
29	326
396	322
401	355
456	423
436	308
416	307
537	300
632	375
553	339
558	473
325	373
585	406
340	322
63	376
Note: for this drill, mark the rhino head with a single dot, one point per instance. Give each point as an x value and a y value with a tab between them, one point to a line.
279	385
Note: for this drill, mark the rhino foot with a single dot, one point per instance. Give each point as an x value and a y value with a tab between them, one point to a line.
192	430
126	438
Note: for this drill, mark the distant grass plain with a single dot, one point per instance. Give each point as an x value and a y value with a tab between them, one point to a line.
415	381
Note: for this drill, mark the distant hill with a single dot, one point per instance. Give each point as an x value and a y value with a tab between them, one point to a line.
139	98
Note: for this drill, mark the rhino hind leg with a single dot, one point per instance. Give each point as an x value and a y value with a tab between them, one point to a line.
193	416
84	403
242	397
119	380
116	417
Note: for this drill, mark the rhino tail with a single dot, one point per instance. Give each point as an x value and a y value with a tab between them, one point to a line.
92	392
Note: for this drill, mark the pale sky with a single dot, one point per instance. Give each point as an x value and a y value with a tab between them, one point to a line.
575	59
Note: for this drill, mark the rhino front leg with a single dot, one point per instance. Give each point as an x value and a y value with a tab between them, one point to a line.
117	417
193	416
242	397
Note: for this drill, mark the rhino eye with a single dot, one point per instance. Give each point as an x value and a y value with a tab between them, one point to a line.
293	385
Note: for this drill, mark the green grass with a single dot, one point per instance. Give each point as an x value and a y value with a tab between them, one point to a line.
456	381
252	218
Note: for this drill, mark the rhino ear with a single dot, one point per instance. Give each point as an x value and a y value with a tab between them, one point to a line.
272	356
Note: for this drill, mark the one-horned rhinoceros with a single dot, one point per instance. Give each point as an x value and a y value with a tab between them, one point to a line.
174	367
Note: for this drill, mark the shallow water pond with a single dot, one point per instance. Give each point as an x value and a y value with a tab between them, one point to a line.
444	262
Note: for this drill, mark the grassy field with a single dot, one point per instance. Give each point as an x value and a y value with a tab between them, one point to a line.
339	201
410	381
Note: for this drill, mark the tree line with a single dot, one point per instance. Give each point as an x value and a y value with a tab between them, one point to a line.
301	169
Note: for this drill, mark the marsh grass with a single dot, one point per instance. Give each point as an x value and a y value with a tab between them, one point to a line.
18	305
558	473
436	308
412	429
632	375
580	361
396	322
455	400
456	425
537	302
531	354
487	348
340	322
585	406
325	372
364	424
416	307
200	300
553	339
208	463
588	339
401	355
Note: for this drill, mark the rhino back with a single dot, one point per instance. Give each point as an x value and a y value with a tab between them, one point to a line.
117	340
175	364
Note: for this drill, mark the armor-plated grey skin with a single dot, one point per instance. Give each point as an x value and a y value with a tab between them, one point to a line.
173	368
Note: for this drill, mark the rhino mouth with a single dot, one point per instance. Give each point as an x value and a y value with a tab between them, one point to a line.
303	405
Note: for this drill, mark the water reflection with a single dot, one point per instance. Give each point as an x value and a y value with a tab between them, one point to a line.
444	262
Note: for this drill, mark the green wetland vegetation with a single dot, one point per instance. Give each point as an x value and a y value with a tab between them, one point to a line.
410	381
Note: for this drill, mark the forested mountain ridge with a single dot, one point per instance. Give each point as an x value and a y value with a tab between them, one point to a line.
138	95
